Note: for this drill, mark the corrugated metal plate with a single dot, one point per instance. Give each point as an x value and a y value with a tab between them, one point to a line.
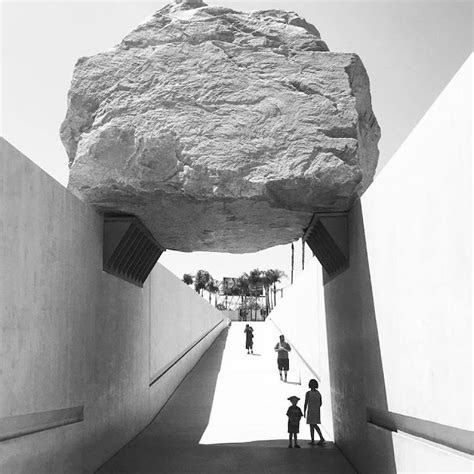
130	251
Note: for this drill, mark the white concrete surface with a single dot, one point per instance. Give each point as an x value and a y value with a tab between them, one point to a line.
72	335
249	395
398	333
400	319
418	225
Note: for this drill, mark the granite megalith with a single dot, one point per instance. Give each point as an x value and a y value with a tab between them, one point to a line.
221	130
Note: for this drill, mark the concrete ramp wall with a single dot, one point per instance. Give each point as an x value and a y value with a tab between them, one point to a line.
87	359
399	320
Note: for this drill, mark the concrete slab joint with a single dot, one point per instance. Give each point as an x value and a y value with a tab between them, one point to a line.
327	236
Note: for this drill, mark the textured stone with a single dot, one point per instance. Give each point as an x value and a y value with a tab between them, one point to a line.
221	130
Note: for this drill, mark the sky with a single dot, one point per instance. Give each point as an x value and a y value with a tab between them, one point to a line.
411	49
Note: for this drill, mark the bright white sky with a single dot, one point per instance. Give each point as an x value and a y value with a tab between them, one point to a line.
410	49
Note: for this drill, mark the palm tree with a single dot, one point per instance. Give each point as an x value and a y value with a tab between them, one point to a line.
243	289
292	261
201	280
274	276
267	283
188	279
213	288
255	281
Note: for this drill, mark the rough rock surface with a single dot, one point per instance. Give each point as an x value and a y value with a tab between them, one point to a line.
221	130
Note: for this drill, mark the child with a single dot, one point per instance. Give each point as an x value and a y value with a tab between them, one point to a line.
312	412
294	416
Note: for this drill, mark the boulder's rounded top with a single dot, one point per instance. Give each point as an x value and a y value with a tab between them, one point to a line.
194	22
180	5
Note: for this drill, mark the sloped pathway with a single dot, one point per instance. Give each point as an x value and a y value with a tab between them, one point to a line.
228	415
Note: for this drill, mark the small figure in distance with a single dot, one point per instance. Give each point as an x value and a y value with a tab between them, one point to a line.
248	338
312	411
294	415
283	360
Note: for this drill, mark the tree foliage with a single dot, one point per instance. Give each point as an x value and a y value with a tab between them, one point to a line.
188	279
201	280
247	285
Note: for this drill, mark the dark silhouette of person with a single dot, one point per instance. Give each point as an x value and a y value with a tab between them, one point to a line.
283	360
294	415
248	338
312	411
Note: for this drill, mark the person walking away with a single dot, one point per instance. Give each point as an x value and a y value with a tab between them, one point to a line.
283	360
294	415
248	338
312	411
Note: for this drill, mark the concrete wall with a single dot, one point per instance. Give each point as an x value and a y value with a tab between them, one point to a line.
399	320
75	336
399	327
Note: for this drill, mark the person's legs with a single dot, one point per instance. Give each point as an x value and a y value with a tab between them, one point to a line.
290	439
286	374
321	437
296	441
311	431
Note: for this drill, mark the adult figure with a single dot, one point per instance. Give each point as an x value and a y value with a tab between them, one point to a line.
248	338
283	361
312	411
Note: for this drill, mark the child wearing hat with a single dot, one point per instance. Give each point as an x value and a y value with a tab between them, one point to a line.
294	415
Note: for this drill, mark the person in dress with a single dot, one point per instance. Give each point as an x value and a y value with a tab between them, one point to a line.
294	415
312	411
283	360
248	338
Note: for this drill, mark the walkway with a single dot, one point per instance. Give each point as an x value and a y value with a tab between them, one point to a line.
228	415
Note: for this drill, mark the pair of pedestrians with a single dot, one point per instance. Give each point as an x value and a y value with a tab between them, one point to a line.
312	412
312	403
313	399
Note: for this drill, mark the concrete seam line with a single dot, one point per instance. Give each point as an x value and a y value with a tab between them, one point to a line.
21	425
318	378
174	361
449	436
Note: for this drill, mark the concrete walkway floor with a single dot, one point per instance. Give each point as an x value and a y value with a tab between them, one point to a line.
228	415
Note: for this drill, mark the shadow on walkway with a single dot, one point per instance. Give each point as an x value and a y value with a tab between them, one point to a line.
170	444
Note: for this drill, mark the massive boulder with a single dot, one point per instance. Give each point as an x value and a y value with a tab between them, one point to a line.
221	130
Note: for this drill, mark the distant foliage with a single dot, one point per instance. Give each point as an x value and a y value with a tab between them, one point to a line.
188	279
249	287
201	280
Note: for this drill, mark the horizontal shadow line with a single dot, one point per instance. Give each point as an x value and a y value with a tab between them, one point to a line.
173	362
455	438
16	426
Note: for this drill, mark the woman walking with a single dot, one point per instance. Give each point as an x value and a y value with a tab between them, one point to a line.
248	338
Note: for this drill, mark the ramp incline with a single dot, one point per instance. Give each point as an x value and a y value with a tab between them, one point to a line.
228	415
